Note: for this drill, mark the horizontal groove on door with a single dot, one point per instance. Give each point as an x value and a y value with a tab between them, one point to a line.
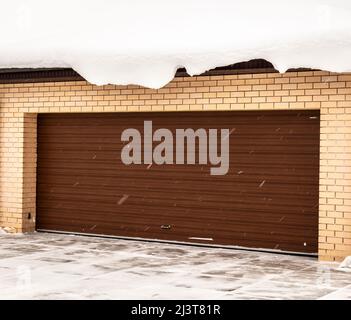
268	199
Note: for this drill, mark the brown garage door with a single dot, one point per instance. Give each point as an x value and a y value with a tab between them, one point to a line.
268	199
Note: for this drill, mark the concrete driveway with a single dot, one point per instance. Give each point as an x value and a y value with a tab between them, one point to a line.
56	266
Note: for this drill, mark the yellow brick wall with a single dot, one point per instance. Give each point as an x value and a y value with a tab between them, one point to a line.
331	93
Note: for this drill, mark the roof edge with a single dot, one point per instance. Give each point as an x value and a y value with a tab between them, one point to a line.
33	75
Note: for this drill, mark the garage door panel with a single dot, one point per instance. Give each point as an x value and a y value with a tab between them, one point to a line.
206	202
273	192
277	140
264	183
201	198
301	163
270	162
260	228
154	220
301	167
184	209
178	193
294	195
268	199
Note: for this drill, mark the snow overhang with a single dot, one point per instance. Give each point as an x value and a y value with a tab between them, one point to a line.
146	42
23	75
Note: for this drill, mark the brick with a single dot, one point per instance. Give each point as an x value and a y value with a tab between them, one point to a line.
289	86
312	105
281	93
337	84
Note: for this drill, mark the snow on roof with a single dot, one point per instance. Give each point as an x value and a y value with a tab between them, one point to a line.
145	42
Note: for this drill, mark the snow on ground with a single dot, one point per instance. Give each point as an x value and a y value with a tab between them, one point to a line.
345	265
52	266
8	230
144	42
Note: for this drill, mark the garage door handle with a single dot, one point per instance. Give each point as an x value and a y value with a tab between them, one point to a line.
166	226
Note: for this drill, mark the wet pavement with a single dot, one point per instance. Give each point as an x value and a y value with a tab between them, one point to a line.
56	266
